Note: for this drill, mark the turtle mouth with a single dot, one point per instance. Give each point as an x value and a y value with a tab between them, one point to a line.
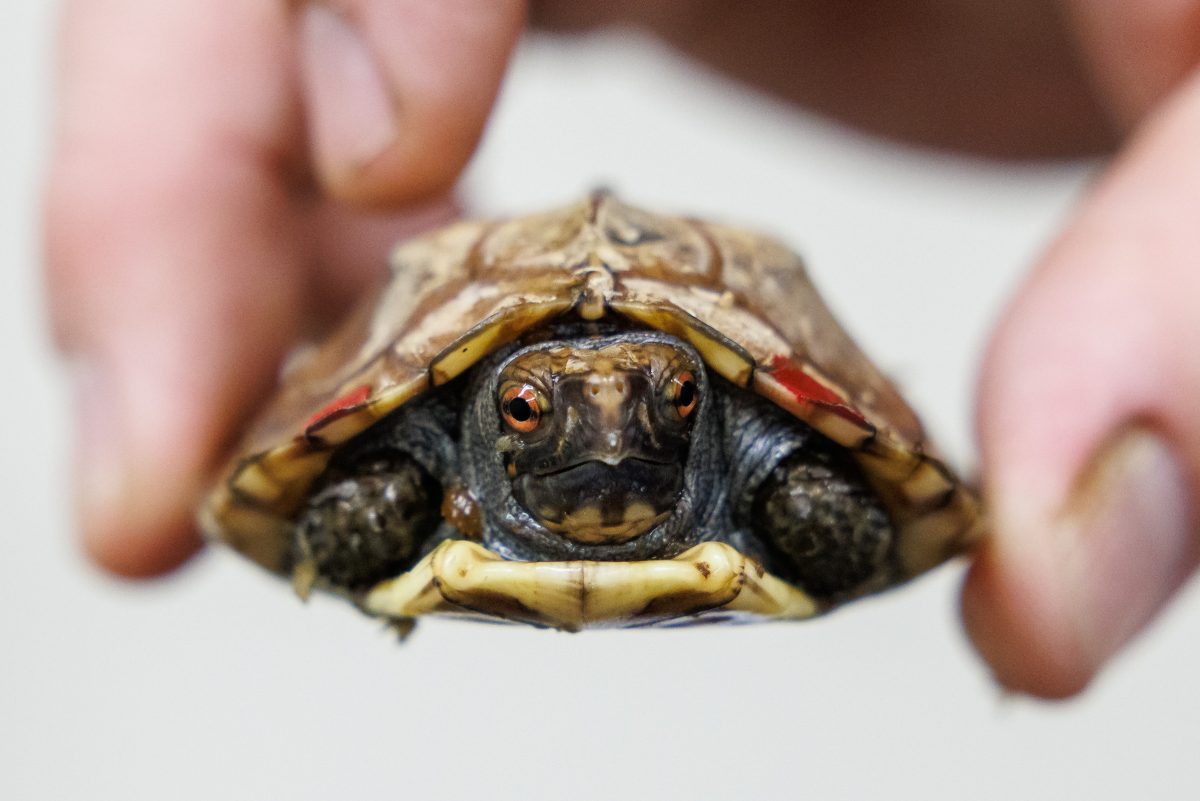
596	502
632	462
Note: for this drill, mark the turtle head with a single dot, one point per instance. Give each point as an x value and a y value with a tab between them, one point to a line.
596	432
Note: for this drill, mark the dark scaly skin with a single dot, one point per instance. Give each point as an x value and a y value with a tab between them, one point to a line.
361	529
757	478
827	531
805	501
376	509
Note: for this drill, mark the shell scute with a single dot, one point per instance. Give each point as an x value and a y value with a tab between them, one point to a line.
352	400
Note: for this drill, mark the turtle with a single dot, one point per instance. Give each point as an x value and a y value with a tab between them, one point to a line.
595	416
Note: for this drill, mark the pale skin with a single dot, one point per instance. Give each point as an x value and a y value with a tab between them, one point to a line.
231	172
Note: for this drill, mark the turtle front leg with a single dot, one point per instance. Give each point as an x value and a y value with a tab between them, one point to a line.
823	525
367	522
805	501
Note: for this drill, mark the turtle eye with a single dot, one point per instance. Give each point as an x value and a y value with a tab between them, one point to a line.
683	394
520	408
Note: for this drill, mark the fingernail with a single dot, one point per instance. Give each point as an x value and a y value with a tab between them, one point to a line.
1127	540
351	110
101	472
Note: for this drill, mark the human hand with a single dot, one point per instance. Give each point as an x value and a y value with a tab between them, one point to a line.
229	176
1096	346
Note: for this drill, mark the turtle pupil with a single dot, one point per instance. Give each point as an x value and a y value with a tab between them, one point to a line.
687	394
519	410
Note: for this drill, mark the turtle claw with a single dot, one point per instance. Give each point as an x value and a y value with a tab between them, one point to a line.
400	627
304	577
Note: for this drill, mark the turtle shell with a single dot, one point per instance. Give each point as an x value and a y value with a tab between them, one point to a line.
742	300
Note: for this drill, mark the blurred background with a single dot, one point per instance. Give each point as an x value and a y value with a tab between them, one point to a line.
217	683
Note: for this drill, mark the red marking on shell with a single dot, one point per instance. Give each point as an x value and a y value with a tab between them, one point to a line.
354	398
806	389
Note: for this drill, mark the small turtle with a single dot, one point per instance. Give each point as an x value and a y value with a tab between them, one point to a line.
595	416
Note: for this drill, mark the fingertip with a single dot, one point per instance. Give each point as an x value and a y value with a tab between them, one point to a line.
396	94
134	482
1008	623
415	168
138	548
352	108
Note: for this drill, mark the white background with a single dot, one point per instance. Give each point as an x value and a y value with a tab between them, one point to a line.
218	683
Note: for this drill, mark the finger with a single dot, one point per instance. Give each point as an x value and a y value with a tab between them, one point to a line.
1089	425
397	93
173	275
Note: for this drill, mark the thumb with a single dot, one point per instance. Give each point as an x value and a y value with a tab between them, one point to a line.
1089	424
397	92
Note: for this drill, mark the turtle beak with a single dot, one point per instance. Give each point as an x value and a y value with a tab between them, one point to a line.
607	398
607	427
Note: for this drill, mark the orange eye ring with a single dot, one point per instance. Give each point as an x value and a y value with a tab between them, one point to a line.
684	394
520	408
